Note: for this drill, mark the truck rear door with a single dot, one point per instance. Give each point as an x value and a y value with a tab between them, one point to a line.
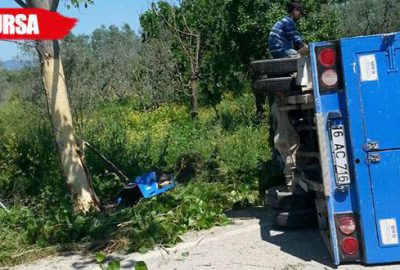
372	85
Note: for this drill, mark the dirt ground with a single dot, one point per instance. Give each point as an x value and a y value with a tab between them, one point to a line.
249	243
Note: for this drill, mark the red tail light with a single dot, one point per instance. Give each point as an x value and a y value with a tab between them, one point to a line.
347	225
327	57
348	236
328	67
349	246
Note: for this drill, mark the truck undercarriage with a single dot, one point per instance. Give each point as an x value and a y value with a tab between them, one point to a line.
288	86
336	127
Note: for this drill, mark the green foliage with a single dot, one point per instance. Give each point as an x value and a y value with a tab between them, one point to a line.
22	84
112	265
126	96
322	22
234	112
233	33
100	257
140	266
226	139
158	79
27	154
139	142
78	3
3	85
112	65
12	234
364	17
100	67
154	24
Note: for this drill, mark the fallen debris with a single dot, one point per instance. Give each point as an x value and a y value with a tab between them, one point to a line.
4	208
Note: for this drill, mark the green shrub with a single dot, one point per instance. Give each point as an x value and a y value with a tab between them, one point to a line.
225	142
139	141
236	112
241	151
28	160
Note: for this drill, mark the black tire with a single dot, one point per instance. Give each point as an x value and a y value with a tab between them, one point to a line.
271	172
273	85
302	218
129	196
261	77
274	67
280	198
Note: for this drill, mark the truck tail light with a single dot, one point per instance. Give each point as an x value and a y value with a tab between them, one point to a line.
328	67
329	78
348	237
347	225
349	246
327	57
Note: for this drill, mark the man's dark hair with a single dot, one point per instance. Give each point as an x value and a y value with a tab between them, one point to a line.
295	5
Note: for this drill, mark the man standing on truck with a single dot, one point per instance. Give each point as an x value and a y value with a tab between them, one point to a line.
284	40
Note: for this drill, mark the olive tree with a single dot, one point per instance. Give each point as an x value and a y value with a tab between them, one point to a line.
100	68
3	84
364	17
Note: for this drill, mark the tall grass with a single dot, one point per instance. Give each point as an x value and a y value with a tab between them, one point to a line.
224	146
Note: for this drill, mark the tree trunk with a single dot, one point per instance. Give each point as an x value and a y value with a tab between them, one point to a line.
73	168
74	171
193	97
195	77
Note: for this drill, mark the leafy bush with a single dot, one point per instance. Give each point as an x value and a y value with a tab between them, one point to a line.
236	112
155	140
28	161
226	141
160	220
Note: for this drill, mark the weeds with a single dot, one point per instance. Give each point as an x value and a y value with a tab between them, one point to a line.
224	146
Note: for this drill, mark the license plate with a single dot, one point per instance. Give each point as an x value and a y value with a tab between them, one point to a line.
339	153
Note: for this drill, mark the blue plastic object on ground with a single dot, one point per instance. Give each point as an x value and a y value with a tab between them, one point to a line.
149	186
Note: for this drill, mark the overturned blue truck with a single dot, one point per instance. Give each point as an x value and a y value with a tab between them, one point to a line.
336	130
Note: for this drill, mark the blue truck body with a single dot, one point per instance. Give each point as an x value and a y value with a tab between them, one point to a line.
365	106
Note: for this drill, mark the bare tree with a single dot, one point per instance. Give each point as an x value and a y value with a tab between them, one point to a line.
158	76
189	41
73	168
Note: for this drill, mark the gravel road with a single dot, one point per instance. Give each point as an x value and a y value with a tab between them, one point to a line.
248	243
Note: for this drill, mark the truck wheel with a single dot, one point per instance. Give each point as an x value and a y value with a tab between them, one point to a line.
271	173
280	198
300	218
273	67
273	85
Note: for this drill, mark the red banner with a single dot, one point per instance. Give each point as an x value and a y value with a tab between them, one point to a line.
33	24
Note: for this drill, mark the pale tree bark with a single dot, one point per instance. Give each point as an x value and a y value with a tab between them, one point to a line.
73	168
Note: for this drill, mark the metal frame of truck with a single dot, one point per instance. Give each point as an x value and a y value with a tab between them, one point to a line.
351	88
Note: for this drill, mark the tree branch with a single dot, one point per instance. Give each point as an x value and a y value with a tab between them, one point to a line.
46	5
21	3
54	5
